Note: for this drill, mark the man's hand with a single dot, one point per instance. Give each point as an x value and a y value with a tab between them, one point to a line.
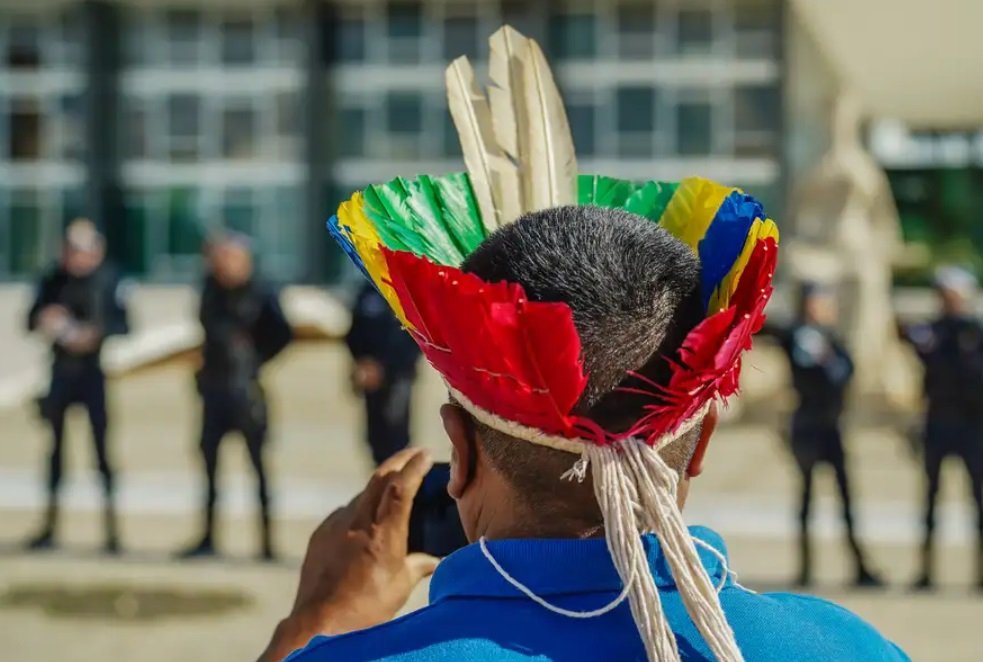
369	375
52	320
82	339
357	572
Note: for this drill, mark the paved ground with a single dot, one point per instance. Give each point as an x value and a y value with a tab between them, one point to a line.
76	605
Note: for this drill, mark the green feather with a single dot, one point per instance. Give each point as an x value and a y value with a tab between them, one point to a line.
424	201
651	199
408	217
462	217
603	191
390	231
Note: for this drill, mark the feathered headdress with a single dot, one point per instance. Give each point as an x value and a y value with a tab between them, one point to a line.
410	236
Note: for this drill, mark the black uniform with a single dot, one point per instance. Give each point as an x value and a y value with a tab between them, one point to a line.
244	328
376	334
821	372
951	349
77	378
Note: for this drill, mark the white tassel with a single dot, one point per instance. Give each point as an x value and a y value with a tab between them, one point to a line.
617	496
656	484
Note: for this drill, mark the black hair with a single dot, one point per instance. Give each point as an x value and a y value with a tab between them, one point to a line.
634	291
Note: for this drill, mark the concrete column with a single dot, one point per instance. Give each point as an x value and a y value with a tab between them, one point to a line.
319	28
101	102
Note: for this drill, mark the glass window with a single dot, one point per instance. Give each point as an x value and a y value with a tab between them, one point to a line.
636	109
24	46
757	120
404	27
287	114
184	224
238	41
72	205
636	30
572	36
757	108
25	232
239	212
136	40
452	143
404	112
756	23
238	133
183	112
694	32
694	124
351	131
288	36
25	131
136	236
134	138
182	35
521	15
349	39
461	37
71	141
581	117
404	19
69	36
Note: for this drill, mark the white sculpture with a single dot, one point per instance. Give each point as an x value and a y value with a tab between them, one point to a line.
847	232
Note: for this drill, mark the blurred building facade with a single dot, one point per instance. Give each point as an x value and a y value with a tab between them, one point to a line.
165	120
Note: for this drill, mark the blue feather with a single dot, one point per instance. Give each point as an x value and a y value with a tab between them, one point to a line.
341	236
725	238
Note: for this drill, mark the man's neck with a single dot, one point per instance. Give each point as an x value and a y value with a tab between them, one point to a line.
497	522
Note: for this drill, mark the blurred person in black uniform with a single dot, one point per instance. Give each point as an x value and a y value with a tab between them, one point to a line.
79	303
244	329
821	371
385	368
951	349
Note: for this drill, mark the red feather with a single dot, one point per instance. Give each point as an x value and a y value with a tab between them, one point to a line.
709	363
521	360
515	358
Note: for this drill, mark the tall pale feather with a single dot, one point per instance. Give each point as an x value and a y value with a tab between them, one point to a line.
550	170
505	94
473	120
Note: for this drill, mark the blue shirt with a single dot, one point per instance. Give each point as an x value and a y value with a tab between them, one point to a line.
474	614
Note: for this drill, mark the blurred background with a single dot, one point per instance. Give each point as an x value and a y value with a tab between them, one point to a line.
859	125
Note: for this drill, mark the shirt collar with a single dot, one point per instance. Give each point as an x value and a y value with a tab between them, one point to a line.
560	567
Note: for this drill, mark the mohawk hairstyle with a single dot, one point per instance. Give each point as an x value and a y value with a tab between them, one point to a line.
634	291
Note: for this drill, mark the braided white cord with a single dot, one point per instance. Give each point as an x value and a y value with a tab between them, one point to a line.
540	438
526	591
618	498
659	512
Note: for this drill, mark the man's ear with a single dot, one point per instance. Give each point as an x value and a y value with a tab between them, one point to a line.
460	431
695	467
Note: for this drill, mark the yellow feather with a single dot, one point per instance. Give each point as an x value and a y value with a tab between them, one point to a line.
368	245
692	208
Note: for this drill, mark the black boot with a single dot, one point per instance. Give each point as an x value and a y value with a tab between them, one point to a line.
804	578
111	546
925	581
45	538
866	578
979	564
205	545
266	552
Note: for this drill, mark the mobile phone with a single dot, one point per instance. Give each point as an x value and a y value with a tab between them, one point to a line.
435	526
